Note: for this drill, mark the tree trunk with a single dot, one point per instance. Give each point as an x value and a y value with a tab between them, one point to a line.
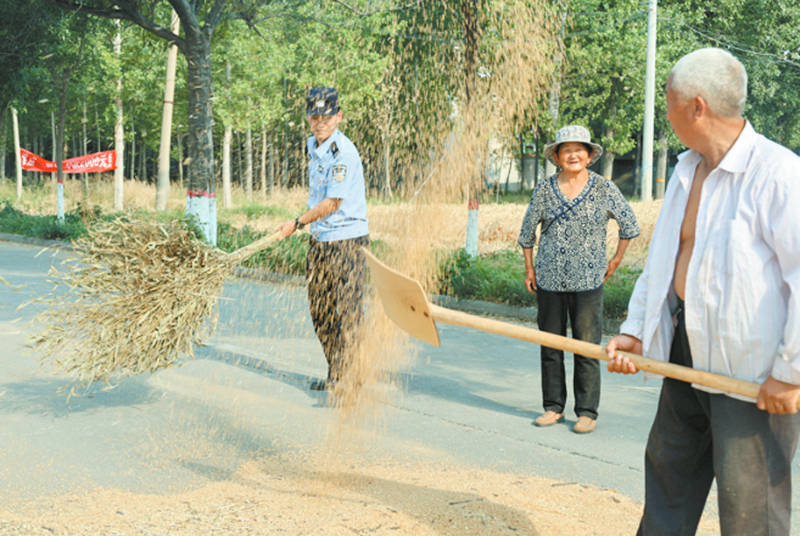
97	130
17	156
97	147
237	144
84	150
271	168
133	149
2	144
196	48
119	131
607	165
180	160
248	170
75	152
305	178
387	184
637	169
227	200
263	173
84	120
285	160
661	165
61	145
53	135
472	32
162	185
537	160
143	160
35	149
201	200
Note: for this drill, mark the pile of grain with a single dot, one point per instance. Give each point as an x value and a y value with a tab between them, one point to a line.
300	495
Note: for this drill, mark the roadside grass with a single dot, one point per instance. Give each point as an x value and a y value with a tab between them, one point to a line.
287	256
499	277
496	276
15	221
253	211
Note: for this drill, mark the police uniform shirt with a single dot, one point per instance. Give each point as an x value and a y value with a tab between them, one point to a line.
335	171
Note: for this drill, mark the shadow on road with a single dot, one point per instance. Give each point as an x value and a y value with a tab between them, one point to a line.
43	397
449	513
301	382
458	391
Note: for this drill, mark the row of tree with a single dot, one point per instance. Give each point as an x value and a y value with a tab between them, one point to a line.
603	79
401	69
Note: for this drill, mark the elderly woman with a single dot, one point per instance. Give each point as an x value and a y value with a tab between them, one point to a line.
573	207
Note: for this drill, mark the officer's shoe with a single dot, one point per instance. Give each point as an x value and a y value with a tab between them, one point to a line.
322	385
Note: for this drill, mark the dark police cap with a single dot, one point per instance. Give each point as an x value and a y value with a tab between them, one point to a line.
322	101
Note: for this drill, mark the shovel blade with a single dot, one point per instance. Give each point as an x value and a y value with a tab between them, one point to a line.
403	300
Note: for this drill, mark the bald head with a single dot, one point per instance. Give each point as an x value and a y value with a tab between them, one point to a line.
716	76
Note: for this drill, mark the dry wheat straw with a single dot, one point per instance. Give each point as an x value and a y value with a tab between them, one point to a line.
137	297
450	166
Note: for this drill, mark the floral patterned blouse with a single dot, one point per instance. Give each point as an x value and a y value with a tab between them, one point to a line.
572	248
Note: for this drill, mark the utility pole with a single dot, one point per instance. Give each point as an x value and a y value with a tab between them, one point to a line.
227	137
555	90
649	104
119	130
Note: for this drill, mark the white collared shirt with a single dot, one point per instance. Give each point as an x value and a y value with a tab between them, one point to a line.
743	282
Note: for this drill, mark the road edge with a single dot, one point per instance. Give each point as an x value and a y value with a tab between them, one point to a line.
512	312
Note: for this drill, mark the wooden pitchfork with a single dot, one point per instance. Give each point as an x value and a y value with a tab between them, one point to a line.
405	303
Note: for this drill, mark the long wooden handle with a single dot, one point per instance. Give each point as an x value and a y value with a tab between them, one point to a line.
595	351
247	251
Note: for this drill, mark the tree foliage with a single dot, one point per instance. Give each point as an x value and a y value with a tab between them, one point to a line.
606	47
403	69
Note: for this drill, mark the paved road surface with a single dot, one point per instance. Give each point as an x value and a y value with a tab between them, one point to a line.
471	401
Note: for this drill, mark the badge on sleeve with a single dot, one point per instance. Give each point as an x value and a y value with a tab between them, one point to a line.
338	172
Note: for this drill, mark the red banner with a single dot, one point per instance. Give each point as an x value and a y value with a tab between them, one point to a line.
91	163
33	162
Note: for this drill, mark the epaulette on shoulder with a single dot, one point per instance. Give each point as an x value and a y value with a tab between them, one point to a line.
334	149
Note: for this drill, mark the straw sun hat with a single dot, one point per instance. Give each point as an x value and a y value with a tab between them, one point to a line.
575	133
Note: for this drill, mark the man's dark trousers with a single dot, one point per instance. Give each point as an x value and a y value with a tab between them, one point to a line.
698	436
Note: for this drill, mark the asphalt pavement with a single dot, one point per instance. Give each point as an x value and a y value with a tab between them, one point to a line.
471	401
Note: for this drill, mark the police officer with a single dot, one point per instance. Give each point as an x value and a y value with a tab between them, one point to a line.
337	220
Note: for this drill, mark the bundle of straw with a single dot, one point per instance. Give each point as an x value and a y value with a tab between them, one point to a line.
139	295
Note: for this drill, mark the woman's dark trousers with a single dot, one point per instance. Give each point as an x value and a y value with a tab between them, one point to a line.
585	313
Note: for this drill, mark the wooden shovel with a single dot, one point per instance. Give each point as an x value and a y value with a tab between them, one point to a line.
405	303
244	253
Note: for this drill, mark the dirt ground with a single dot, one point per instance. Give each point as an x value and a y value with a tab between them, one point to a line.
312	494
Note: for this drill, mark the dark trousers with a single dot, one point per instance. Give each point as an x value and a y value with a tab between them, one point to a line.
335	275
585	313
696	437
